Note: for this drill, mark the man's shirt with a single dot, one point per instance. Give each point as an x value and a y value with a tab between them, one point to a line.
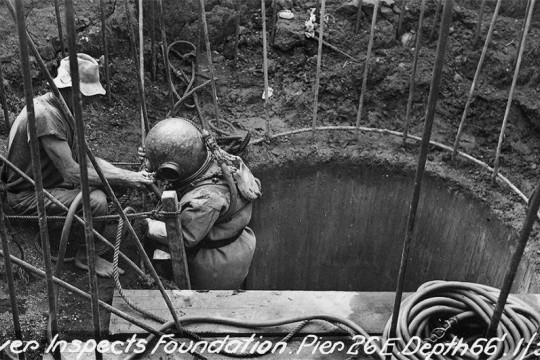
49	121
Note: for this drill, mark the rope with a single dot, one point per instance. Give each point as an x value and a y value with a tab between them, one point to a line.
116	274
154	214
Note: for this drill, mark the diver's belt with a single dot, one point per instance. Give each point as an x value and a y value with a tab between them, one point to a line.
213	244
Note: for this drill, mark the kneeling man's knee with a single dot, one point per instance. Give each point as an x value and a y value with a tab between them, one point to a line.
98	203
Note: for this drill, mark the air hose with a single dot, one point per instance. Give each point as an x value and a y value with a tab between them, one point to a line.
68	222
62	251
340	323
65	234
441	320
60	259
188	54
450	319
63	246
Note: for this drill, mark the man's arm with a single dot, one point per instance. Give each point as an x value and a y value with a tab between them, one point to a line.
60	154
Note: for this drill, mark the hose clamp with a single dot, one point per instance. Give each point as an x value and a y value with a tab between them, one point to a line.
440	332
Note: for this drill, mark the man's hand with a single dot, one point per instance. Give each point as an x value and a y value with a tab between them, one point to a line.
141	153
142	178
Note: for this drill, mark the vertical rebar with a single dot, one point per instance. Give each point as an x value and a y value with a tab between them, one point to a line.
435	20
358	15
36	162
237	5
144	125
521	35
3	99
83	169
479	23
274	22
60	31
512	89
153	38
366	63
514	263
9	279
424	149
138	243
265	68
105	49
209	59
164	48
319	62
476	76
412	83
400	19
237	29
198	47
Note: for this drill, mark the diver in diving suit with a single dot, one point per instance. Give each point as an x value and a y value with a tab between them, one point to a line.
219	244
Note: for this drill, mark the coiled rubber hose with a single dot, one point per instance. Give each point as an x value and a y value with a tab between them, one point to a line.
463	311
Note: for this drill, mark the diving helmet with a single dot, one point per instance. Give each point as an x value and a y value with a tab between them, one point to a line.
175	149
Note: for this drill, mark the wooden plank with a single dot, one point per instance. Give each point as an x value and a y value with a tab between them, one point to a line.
370	310
307	347
180	270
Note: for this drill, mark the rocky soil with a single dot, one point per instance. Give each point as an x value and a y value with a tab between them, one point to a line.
114	133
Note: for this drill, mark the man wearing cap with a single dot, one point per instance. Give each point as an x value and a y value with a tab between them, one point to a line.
59	165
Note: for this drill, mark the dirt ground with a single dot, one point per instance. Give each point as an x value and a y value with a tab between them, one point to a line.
113	129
